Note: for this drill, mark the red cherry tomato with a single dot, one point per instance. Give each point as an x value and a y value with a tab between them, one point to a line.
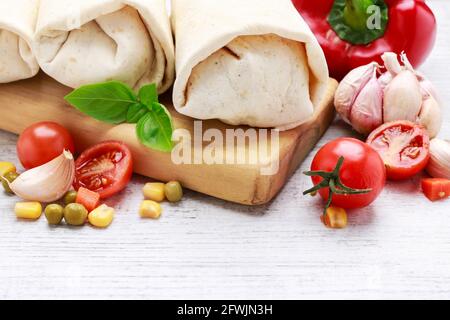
105	168
404	148
43	142
362	169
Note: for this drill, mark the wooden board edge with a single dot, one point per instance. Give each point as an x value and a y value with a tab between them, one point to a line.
268	187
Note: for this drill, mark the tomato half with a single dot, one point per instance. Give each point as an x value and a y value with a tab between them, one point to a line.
105	168
404	147
43	142
362	169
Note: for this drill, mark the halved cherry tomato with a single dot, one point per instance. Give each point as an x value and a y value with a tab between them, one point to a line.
362	169
436	189
105	168
404	147
89	199
43	142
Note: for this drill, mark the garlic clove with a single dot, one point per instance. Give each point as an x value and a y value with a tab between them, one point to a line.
427	88
391	63
402	98
351	86
439	165
385	79
367	111
431	116
48	182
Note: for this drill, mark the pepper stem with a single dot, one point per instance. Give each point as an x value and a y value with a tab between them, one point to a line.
359	22
356	13
332	181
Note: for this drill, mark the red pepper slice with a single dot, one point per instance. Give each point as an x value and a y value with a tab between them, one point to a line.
408	25
436	189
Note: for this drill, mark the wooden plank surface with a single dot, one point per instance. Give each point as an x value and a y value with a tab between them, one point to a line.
41	99
207	248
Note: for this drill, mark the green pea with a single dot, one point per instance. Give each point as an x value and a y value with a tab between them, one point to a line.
10	176
75	214
173	191
70	197
54	214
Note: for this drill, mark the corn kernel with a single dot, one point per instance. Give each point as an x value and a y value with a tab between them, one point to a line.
154	191
28	210
150	209
6	167
101	217
335	218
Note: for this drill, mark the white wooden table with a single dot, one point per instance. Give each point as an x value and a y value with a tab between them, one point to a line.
207	248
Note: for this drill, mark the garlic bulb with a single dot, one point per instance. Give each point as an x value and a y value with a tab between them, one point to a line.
366	97
48	182
439	165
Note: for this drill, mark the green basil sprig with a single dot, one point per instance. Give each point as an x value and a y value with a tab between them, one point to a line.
115	103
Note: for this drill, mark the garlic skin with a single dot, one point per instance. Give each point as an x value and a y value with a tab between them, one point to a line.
439	165
351	86
402	98
366	114
48	182
367	97
391	63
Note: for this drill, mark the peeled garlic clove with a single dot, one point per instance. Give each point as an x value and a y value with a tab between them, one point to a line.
431	116
367	111
48	182
439	165
351	86
402	98
391	63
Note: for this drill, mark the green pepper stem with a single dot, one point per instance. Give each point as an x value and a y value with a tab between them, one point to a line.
355	13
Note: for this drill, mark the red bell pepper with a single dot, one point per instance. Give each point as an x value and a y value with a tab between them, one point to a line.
353	33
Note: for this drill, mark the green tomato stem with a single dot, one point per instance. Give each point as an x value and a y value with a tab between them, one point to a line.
332	181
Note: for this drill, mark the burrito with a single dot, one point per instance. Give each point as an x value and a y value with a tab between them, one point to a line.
17	20
252	62
86	41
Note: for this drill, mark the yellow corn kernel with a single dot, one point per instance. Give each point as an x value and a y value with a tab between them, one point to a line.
335	218
6	167
101	217
28	210
150	209
154	191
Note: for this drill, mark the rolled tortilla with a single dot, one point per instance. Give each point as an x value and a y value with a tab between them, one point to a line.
85	41
252	62
17	21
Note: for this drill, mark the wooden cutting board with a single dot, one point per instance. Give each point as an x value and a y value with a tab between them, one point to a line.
41	98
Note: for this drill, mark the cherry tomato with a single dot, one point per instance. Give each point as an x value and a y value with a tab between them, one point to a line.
105	168
404	148
43	142
362	169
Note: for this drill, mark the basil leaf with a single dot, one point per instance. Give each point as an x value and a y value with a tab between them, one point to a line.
108	102
136	112
149	94
155	129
